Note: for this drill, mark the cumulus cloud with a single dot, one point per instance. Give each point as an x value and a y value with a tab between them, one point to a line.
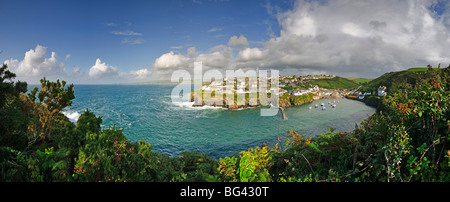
354	38
240	41
140	74
218	57
35	64
169	62
192	51
344	37
102	70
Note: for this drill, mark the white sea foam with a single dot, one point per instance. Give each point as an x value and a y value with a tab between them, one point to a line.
188	105
72	115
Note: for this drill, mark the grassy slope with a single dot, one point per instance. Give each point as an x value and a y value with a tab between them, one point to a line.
394	80
361	80
335	83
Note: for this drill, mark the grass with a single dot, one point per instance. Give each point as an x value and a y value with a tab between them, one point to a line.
335	83
417	69
361	80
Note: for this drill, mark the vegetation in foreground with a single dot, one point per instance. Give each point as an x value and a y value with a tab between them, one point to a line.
404	141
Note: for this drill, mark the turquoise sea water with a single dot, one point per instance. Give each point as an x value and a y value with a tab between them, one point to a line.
146	112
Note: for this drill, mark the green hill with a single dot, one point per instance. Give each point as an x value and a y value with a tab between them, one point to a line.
395	80
335	83
361	80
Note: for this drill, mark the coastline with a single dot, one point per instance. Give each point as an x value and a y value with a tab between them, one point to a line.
285	101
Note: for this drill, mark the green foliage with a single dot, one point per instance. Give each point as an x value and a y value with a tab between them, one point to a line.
287	100
228	168
197	166
53	94
88	122
254	165
361	80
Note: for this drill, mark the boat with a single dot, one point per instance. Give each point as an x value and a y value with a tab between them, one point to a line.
316	106
322	104
323	108
334	106
310	107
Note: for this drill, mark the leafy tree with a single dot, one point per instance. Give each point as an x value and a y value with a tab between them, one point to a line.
7	86
88	122
53	95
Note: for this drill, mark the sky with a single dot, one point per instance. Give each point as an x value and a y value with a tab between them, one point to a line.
105	42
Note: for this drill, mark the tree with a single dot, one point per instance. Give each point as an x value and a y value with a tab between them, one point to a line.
88	122
53	95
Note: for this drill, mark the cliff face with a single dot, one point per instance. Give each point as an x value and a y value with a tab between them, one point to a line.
285	101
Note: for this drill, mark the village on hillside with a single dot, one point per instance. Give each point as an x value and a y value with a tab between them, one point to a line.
291	85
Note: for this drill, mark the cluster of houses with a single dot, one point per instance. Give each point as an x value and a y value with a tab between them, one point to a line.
314	90
360	95
287	79
243	86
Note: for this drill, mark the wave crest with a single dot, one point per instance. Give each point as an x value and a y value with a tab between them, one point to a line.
72	115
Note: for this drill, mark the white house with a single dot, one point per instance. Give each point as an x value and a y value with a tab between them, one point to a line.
381	91
316	88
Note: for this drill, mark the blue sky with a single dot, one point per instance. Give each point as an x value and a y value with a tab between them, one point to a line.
84	29
128	37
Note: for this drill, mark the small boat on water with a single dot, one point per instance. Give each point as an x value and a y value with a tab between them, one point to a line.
310	107
324	108
316	106
322	104
334	106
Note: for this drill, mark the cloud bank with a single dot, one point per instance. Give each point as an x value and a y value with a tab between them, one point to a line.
36	64
343	37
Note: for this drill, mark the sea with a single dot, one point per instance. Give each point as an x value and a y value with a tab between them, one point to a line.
147	112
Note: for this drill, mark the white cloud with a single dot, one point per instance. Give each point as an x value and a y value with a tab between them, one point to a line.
218	57
215	29
240	41
35	64
127	33
67	57
102	70
110	24
170	60
140	74
76	70
132	41
191	51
